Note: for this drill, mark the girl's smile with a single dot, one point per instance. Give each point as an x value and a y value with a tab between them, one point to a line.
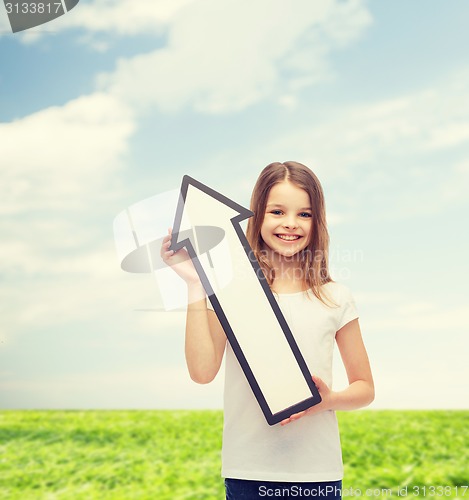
288	237
286	226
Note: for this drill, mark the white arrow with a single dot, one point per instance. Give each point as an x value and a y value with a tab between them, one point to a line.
247	310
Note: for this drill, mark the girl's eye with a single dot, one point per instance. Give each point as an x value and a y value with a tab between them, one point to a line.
276	212
305	214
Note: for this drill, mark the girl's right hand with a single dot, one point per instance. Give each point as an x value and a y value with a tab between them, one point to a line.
179	261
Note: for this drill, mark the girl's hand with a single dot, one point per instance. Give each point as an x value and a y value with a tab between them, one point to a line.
327	398
179	261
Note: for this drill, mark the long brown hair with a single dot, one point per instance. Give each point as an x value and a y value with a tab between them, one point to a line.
313	259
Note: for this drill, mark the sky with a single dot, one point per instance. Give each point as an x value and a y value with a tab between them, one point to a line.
114	102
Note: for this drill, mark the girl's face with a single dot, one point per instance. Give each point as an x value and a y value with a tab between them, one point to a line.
286	228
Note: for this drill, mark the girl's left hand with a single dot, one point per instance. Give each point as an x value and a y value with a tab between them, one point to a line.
325	404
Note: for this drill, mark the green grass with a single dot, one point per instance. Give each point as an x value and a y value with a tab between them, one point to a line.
172	455
391	449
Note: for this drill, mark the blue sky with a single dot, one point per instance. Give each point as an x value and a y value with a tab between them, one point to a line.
114	102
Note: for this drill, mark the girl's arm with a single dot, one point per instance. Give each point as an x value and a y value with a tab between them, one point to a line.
205	339
360	391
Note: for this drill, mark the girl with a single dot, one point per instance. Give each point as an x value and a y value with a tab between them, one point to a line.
301	457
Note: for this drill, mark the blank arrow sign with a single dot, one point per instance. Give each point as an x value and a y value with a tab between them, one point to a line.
251	318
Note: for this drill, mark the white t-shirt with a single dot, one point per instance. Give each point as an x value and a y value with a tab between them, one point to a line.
309	448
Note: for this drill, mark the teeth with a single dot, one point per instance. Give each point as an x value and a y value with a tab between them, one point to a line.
287	237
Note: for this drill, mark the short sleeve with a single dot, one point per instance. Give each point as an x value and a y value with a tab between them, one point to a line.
348	309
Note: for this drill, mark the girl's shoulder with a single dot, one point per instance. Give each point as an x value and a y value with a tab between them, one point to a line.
338	292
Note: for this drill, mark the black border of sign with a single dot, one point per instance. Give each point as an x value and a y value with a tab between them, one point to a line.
272	418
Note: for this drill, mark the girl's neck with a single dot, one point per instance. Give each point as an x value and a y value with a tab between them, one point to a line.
288	273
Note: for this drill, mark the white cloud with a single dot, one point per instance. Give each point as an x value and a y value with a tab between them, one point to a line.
56	165
425	121
224	57
44	290
108	17
123	17
51	157
219	57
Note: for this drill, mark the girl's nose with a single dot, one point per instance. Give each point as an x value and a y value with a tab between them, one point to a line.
290	224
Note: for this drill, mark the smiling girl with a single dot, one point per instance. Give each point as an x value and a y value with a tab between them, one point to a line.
301	457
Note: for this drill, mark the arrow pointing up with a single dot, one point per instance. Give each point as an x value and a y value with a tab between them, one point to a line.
246	307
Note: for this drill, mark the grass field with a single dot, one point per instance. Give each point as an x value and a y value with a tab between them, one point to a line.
172	455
